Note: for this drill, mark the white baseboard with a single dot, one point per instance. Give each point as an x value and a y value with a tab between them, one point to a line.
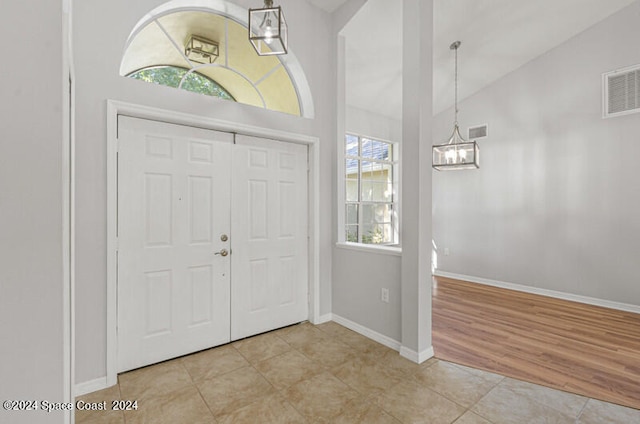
90	386
542	292
373	335
323	319
417	357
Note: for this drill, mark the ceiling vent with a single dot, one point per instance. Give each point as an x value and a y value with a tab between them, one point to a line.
480	131
621	92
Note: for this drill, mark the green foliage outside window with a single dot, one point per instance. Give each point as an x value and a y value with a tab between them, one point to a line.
172	76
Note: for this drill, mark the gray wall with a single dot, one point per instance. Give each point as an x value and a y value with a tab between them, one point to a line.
31	244
358	276
556	203
104	26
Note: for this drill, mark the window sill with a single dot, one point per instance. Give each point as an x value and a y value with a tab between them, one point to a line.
382	250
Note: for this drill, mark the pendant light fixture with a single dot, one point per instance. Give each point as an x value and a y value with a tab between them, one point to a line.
456	153
268	31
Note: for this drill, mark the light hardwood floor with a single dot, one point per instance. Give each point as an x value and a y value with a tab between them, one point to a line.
587	350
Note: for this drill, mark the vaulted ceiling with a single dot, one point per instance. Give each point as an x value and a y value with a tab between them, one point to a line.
498	36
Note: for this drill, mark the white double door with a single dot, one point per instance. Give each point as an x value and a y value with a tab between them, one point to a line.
212	239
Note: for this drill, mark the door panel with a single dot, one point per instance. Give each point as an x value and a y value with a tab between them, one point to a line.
173	206
269	260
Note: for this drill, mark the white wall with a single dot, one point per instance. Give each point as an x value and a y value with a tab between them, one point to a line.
363	122
100	31
31	207
556	203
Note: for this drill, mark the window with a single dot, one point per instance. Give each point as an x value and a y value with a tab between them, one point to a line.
158	45
177	77
370	191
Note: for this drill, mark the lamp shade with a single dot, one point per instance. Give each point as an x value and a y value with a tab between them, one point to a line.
268	31
456	154
201	50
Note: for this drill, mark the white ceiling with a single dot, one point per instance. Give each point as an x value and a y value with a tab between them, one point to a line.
498	36
328	5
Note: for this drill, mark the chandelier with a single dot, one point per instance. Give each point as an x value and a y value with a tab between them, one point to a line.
268	30
456	153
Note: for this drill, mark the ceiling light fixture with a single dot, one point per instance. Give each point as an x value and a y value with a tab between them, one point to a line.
201	50
456	153
268	31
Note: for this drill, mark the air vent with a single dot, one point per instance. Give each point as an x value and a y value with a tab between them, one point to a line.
622	92
480	131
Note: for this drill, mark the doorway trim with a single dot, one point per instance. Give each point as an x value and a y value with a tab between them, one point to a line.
116	108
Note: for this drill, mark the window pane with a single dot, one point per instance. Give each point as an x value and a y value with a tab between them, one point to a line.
367	148
351	233
352	214
200	84
172	76
351	145
377	182
163	75
377	234
351	180
374	149
380	213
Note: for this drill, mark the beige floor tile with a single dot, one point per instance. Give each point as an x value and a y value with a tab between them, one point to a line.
411	403
155	380
287	369
99	417
359	411
598	412
454	383
567	403
320	397
303	335
333	328
213	362
264	346
106	416
429	362
366	376
234	390
184	406
371	384
364	345
471	418
504	406
393	360
285	330
272	409
485	375
329	353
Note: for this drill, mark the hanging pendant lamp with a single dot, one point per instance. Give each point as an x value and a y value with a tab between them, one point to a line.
456	153
268	30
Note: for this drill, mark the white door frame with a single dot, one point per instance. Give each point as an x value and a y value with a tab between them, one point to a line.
115	108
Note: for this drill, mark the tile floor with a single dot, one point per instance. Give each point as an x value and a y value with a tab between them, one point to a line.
329	374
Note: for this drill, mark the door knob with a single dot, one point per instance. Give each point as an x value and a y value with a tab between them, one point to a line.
224	237
223	252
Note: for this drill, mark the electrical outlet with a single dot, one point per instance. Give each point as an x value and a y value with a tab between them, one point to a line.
384	295
446	251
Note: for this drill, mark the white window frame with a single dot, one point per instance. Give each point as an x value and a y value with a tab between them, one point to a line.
390	248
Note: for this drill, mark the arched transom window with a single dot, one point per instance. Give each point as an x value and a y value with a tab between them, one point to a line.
208	53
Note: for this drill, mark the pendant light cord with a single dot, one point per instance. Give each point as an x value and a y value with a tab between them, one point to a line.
455	47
